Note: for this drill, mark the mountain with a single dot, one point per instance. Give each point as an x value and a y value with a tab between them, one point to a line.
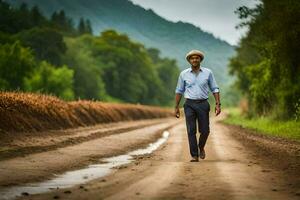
174	40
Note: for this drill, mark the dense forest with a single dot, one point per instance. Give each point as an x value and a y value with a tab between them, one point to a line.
56	56
267	64
173	39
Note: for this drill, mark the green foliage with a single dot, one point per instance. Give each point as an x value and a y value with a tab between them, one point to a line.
88	83
267	60
47	43
16	63
261	87
231	96
297	113
120	69
50	80
168	73
265	125
6	38
130	64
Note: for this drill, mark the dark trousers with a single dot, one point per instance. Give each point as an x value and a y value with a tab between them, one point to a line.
197	111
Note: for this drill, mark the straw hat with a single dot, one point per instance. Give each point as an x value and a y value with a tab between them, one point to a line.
194	52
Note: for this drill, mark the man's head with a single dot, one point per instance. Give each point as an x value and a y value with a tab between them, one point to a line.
194	57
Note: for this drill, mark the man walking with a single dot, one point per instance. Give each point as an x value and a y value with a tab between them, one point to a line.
195	83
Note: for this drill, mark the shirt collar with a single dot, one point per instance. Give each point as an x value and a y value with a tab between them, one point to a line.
200	69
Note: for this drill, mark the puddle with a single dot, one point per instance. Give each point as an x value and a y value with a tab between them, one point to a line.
81	176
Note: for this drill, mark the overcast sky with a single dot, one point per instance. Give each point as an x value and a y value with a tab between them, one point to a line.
214	16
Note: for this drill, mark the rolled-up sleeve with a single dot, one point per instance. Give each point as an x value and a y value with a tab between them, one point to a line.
180	85
214	88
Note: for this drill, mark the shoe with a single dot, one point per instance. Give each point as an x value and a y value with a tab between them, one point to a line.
194	159
202	154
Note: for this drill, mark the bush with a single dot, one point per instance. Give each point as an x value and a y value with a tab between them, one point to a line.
48	79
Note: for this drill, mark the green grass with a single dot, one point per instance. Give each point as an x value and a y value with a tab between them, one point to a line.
264	125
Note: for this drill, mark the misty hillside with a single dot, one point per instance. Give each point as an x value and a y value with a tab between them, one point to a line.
173	39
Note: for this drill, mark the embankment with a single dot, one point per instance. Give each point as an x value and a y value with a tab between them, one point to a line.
29	112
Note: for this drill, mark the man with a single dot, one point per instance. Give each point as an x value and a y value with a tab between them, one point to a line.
195	83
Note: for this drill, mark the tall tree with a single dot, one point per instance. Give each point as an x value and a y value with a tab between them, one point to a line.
267	61
37	18
81	26
88	28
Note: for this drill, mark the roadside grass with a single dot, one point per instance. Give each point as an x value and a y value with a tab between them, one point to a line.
264	125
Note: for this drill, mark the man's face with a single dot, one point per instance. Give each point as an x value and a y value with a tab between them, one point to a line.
195	60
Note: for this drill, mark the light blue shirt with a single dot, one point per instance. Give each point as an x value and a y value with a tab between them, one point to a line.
196	86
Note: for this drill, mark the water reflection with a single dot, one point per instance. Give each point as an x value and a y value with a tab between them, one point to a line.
81	176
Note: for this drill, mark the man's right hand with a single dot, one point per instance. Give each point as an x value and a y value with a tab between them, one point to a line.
177	112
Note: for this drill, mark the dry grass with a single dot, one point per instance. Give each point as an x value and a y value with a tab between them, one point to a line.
244	106
27	112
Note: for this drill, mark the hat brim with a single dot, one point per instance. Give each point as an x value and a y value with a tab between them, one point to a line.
194	54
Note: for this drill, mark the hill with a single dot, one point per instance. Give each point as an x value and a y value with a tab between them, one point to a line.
173	39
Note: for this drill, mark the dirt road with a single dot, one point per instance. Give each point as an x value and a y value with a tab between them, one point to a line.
235	168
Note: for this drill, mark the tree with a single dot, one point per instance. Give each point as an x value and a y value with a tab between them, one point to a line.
62	23
81	26
130	75
16	63
84	26
88	28
51	80
267	61
36	17
46	43
88	82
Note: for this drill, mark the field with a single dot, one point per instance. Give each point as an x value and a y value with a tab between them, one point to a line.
28	112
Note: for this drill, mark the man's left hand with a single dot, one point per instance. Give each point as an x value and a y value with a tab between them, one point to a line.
217	110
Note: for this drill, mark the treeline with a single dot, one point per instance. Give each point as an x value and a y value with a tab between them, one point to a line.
15	20
55	56
267	63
